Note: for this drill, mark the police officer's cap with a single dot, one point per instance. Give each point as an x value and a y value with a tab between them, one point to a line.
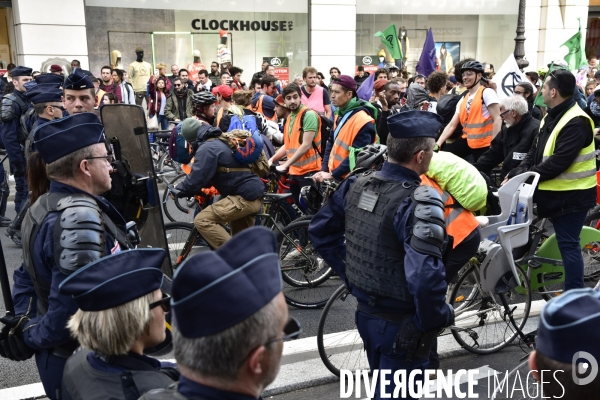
60	137
569	324
213	291
414	123
44	93
20	71
78	81
115	279
56	80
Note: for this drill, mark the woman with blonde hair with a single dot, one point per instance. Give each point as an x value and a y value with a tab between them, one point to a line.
121	312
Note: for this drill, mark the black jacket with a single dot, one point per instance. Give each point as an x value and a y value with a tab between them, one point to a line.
382	127
575	135
510	146
210	155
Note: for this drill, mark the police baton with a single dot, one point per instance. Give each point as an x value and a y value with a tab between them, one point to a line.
5	284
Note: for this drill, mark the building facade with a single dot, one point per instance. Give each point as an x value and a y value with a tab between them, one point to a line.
289	33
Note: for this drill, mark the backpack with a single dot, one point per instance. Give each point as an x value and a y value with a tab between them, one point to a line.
178	147
326	128
247	148
446	108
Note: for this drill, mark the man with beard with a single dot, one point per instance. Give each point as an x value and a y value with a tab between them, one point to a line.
302	138
313	95
388	98
513	142
107	84
179	105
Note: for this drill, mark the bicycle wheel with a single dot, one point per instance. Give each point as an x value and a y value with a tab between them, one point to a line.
339	343
591	273
177	234
167	168
282	213
305	274
173	213
482	325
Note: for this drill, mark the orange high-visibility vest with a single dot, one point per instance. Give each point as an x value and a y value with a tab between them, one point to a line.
310	161
220	115
478	131
341	144
459	222
258	109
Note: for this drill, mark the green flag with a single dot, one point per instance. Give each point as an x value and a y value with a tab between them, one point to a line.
539	101
389	38
576	56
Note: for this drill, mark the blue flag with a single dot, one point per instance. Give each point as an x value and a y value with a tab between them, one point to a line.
426	63
366	88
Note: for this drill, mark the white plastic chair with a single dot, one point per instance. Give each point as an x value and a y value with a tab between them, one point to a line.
514	235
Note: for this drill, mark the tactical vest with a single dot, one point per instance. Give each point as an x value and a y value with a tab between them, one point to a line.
374	256
81	381
22	106
37	213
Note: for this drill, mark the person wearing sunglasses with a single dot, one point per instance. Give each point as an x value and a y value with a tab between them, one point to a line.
230	320
179	104
121	312
75	158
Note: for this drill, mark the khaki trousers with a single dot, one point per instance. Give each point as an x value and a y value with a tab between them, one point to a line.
233	209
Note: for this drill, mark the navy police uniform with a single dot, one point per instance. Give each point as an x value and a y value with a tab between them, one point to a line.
244	276
384	235
53	248
14	105
101	285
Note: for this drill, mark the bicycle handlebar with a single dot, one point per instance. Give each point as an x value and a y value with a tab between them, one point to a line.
176	193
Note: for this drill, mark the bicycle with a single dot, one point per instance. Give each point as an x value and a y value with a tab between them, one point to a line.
492	296
163	163
184	241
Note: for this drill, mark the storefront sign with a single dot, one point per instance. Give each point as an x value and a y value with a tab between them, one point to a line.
282	70
369	63
238	25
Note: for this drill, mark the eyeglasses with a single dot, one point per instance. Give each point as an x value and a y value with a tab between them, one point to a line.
109	158
505	112
177	85
62	108
164	303
291	330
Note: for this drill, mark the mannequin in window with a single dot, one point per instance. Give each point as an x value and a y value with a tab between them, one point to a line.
139	75
115	60
404	45
223	52
195	67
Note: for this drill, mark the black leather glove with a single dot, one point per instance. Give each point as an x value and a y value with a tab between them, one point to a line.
12	343
19	170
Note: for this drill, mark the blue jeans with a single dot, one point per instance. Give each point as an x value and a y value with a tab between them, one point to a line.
163	122
568	229
379	337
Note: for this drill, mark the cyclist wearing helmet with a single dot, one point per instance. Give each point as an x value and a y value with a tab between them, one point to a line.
478	113
204	106
215	164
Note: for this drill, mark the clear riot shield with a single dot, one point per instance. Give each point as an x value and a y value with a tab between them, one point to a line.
125	129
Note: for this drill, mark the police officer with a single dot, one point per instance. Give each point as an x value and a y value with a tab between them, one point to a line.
79	93
122	294
250	319
47	105
241	189
14	105
78	166
384	235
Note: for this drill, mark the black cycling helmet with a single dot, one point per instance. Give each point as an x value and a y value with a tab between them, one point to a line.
311	198
203	98
473	66
371	156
